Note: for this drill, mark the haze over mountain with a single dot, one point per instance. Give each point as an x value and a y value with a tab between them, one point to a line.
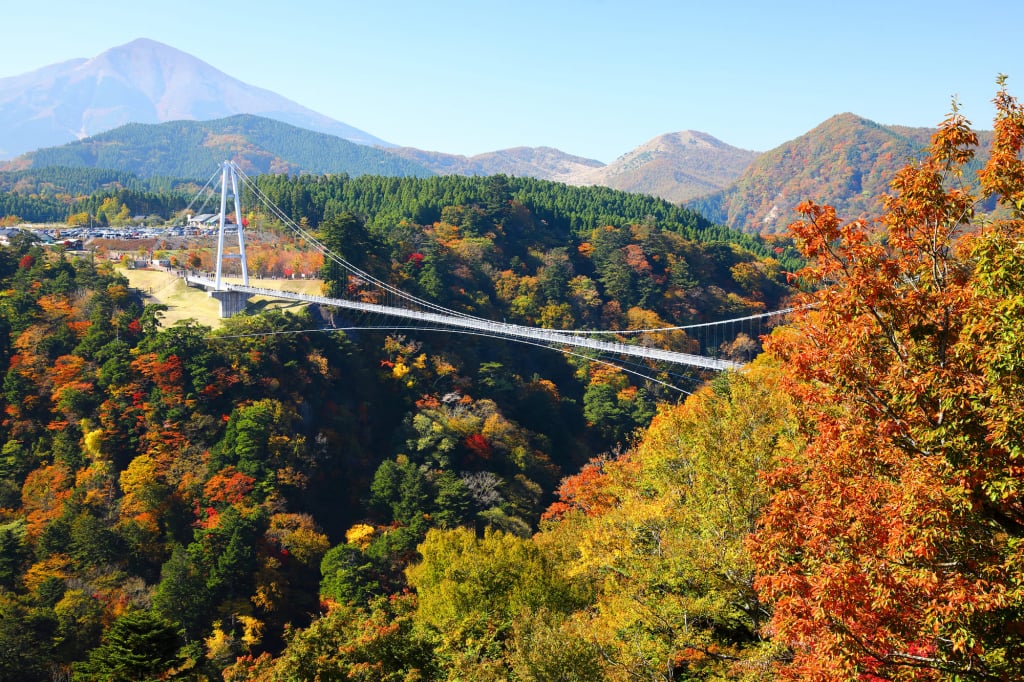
847	162
140	82
545	163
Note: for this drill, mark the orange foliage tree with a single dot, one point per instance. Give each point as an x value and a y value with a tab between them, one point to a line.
892	546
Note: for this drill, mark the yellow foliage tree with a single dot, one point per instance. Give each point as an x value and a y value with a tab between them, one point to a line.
665	552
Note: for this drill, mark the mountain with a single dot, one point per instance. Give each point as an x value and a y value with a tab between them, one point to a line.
141	82
543	163
194	149
675	167
847	162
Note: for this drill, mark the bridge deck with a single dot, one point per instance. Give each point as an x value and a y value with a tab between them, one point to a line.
499	329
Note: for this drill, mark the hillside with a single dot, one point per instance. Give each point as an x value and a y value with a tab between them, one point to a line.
676	167
192	149
140	82
543	163
216	479
307	493
847	162
164	287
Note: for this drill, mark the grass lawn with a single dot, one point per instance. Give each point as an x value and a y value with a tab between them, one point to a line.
183	302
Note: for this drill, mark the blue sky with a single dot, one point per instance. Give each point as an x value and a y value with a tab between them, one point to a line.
594	78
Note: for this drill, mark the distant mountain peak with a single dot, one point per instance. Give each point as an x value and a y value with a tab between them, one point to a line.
675	166
691	137
148	44
143	81
846	161
545	163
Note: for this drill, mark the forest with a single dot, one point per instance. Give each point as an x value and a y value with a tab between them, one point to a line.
187	149
274	500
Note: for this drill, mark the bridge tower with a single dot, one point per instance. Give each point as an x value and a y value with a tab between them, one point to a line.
229	172
231	302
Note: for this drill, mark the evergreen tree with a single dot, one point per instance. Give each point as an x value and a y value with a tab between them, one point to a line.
138	646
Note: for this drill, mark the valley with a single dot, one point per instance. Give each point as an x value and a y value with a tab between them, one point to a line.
314	492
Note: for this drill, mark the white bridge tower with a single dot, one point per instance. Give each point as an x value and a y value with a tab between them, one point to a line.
230	172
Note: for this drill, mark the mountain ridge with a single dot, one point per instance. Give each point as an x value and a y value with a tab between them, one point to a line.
190	149
675	166
845	161
544	163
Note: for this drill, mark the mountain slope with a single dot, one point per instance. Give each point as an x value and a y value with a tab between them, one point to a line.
847	161
676	167
193	149
140	82
543	163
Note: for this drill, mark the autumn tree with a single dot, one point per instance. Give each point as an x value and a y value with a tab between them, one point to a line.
376	643
471	591
891	548
659	533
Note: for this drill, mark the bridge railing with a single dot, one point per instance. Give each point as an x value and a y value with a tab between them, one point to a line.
500	329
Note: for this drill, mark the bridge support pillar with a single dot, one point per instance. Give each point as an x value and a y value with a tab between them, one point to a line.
231	302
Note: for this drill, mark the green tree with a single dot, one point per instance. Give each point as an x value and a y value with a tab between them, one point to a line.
345	235
349	576
14	552
401	487
254	434
138	646
226	553
26	640
451	501
660	534
92	543
80	624
182	594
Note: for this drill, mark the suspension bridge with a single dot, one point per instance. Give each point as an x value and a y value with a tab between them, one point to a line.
233	297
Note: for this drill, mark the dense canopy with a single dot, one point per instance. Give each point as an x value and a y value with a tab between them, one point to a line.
272	501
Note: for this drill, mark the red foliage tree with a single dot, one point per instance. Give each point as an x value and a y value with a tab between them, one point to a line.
893	546
479	447
586	491
228	486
